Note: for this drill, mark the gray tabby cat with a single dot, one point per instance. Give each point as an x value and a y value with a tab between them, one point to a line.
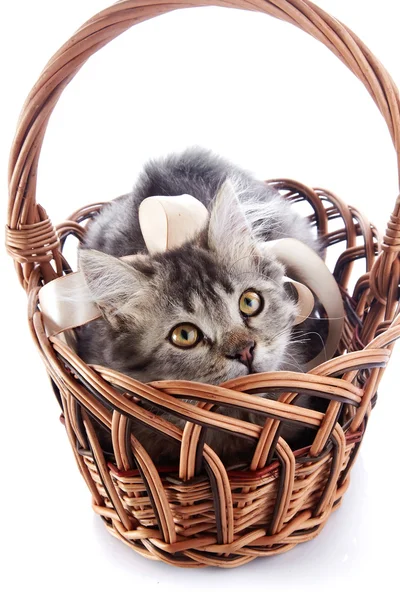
211	310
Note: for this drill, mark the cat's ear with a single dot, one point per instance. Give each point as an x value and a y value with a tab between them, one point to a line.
112	282
229	233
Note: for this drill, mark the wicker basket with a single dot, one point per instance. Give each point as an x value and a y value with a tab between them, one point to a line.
201	513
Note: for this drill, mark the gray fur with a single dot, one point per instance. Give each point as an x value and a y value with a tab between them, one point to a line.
201	282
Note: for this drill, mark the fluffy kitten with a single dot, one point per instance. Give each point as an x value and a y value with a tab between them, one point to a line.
200	285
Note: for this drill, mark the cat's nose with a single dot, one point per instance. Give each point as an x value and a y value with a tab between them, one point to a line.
245	355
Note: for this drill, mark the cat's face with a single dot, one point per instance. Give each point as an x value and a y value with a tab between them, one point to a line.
210	311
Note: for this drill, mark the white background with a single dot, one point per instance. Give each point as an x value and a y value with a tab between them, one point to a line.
274	100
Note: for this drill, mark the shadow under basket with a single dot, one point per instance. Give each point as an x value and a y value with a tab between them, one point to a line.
200	512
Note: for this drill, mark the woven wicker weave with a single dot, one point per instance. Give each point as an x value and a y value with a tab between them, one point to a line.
201	513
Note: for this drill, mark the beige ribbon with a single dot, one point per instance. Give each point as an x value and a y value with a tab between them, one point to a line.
305	265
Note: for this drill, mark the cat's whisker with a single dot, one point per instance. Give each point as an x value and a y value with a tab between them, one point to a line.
297	335
294	362
280	334
321	318
295	342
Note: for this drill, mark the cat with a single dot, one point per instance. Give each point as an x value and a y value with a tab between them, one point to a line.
214	309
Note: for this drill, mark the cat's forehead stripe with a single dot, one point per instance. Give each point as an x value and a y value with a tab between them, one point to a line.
192	272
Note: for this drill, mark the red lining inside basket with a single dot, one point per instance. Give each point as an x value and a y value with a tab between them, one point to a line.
257	474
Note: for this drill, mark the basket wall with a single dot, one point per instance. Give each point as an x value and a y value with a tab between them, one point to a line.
201	513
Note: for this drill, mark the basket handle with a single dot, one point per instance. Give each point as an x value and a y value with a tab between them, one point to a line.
30	236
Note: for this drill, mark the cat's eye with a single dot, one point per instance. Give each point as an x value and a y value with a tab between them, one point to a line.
250	303
185	335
